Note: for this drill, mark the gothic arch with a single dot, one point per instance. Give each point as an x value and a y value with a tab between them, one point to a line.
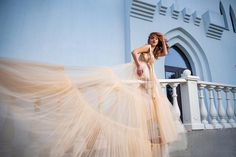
192	50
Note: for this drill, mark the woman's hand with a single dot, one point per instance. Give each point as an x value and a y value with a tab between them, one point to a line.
165	46
139	71
162	38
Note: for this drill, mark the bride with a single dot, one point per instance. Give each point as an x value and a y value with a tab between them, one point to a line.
57	111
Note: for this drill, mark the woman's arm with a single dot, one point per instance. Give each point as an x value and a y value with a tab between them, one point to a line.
164	50
136	53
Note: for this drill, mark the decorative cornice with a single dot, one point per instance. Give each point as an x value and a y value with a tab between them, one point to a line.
142	10
212	21
174	12
214	25
197	18
187	14
162	6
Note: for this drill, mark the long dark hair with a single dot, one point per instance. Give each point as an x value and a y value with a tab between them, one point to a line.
159	47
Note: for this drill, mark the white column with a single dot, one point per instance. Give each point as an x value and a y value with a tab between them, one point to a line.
175	101
204	113
163	87
190	102
221	109
234	98
229	109
213	112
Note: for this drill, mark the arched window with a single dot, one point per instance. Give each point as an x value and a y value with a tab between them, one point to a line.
222	12
232	17
175	63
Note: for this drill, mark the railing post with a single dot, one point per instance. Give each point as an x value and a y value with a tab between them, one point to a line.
213	112
175	101
163	87
221	109
190	102
229	109
234	99
204	112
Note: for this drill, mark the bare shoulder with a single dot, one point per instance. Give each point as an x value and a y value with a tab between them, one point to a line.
144	49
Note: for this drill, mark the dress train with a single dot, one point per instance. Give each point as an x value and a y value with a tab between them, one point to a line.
57	111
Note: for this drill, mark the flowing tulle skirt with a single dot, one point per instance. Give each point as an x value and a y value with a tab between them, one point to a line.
57	111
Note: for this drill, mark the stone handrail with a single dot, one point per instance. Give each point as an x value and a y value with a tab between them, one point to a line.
204	106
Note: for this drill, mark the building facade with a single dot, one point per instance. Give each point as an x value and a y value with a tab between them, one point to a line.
201	33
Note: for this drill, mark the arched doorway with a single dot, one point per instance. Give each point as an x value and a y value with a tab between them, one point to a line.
190	47
175	63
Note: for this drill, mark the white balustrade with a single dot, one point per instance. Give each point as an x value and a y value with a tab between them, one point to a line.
225	113
175	101
213	111
189	99
229	109
234	99
173	83
203	109
221	109
163	87
196	113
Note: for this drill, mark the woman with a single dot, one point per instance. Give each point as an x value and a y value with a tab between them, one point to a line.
52	110
156	46
169	128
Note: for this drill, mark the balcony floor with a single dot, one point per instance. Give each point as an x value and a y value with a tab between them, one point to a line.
210	143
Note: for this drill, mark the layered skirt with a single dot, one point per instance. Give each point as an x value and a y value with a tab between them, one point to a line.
57	111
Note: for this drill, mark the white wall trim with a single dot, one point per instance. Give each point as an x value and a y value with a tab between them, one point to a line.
193	51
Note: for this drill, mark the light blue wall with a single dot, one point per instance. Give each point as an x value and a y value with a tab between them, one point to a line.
70	32
100	33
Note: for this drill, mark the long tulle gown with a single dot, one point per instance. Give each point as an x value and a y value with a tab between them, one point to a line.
55	111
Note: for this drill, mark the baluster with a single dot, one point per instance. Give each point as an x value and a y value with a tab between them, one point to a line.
213	112
163	87
229	109
203	109
234	99
175	101
221	109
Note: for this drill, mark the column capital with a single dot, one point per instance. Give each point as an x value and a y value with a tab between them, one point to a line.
174	85
219	88
233	90
227	89
187	75
201	86
211	87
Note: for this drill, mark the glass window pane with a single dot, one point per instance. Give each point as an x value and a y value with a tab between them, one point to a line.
170	75
175	59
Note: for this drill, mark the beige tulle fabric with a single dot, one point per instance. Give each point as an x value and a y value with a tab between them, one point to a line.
55	111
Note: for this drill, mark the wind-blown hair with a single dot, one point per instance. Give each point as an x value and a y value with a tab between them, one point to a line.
159	47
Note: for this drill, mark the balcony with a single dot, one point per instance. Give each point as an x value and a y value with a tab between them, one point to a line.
208	112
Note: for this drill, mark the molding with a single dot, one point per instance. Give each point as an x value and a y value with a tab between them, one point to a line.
197	18
162	6
142	10
192	50
194	126
213	24
175	12
187	14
